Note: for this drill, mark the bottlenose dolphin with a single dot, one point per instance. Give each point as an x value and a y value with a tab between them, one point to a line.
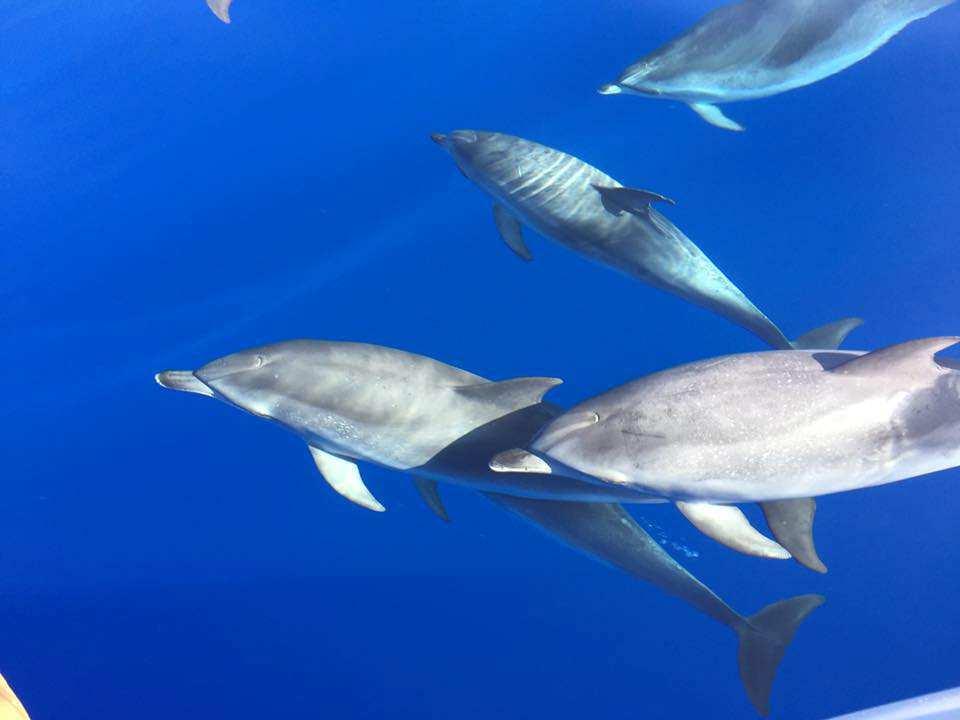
221	8
581	207
757	48
760	427
10	706
352	401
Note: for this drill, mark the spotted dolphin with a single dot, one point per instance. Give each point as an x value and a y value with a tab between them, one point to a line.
761	427
352	402
757	48
588	211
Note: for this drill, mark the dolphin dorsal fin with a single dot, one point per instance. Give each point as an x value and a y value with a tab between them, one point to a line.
827	337
618	200
791	522
519	461
729	526
430	494
344	477
511	232
714	115
903	357
517	393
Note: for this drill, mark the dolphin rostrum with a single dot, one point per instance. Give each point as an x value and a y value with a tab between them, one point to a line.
761	427
757	48
361	402
581	207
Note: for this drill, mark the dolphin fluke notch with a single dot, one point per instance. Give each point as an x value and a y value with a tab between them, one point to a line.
221	8
714	115
791	522
182	380
517	393
344	477
902	357
729	526
764	640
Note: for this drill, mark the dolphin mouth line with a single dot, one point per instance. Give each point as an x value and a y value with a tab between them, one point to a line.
184	381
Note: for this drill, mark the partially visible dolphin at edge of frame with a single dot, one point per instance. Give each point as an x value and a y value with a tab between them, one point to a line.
583	208
10	706
757	48
221	8
761	427
943	705
450	424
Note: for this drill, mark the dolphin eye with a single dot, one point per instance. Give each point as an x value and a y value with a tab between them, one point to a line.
259	361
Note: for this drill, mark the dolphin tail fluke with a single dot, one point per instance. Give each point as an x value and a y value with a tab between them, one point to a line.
714	115
764	639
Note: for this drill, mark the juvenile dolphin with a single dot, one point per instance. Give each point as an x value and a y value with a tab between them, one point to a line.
761	427
581	207
221	8
366	402
757	48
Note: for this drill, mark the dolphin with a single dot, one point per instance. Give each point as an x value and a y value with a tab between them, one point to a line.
221	8
757	48
352	401
10	706
942	705
760	427
581	207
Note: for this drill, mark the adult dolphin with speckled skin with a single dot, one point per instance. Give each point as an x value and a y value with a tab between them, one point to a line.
757	48
352	402
761	427
585	209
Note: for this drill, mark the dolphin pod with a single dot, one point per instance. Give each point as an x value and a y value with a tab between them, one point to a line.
586	210
353	402
757	48
805	423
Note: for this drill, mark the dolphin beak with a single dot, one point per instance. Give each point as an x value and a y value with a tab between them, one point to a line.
439	138
182	380
609	89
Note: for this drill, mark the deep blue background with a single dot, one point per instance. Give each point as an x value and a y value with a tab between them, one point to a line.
174	189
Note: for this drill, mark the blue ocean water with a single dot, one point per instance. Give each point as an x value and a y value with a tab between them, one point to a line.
176	189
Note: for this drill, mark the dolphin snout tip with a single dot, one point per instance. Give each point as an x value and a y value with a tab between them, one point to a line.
182	380
609	89
438	138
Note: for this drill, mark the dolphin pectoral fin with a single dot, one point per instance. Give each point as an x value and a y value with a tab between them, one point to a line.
714	115
828	337
519	461
431	496
220	8
511	232
791	522
903	356
729	526
182	380
764	639
344	477
517	393
618	200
